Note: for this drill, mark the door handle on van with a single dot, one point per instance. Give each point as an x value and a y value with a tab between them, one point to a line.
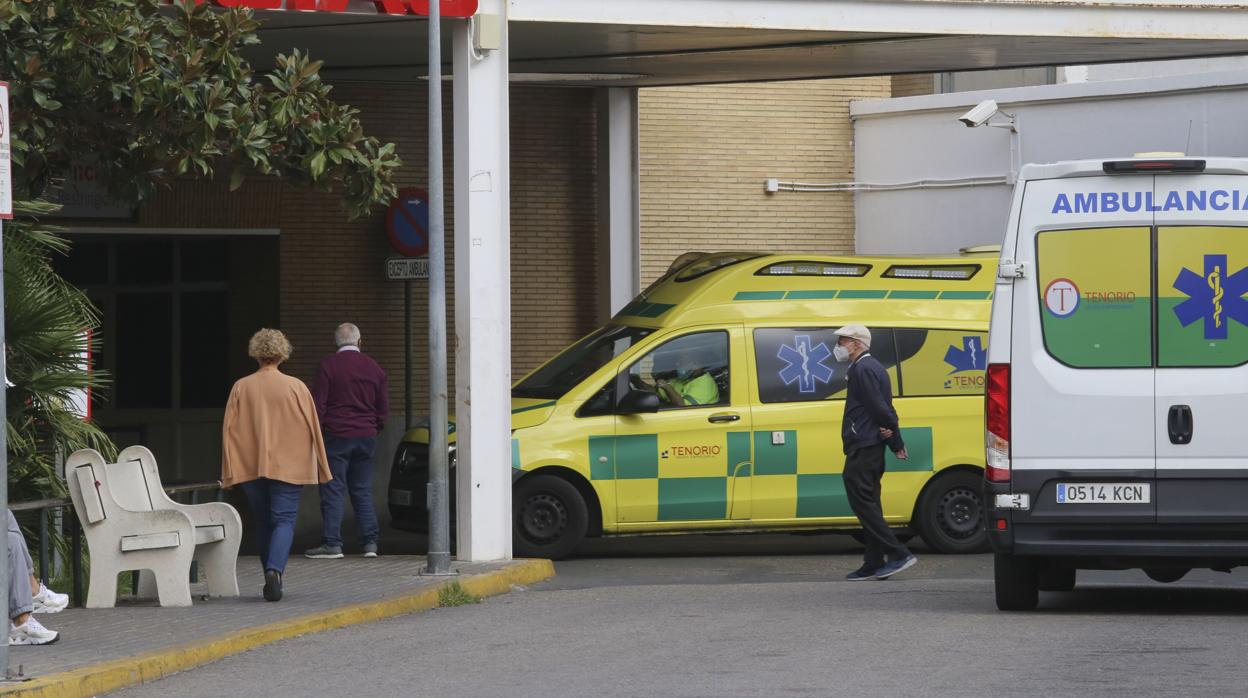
722	417
1181	424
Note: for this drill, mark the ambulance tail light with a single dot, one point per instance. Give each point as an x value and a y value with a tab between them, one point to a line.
997	411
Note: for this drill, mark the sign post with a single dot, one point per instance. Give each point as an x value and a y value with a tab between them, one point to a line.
407	226
6	213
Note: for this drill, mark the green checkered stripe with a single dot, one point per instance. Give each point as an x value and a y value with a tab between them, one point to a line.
862	294
751	455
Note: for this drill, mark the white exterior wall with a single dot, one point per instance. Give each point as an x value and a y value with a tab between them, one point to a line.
919	138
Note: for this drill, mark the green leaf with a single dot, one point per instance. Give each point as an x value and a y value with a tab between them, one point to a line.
310	69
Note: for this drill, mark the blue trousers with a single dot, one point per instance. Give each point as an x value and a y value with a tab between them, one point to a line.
275	505
351	463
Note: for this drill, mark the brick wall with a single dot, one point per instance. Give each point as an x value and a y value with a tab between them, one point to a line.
706	150
331	269
325	282
914	84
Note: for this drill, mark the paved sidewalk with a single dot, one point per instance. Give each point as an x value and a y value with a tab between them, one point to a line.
319	594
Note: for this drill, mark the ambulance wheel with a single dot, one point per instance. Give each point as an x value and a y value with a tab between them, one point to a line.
1057	579
549	517
950	514
1165	575
1017	583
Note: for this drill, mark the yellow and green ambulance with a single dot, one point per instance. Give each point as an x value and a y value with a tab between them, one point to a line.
712	402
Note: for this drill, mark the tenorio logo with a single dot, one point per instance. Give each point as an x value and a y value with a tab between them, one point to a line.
1061	297
697	451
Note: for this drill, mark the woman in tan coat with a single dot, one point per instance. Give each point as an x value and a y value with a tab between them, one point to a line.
272	446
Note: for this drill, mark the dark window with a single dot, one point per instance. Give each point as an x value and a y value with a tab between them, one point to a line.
144	350
204	260
205	349
85	265
601	403
144	262
796	364
578	362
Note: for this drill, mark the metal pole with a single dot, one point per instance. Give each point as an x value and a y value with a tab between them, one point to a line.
4	456
407	355
439	556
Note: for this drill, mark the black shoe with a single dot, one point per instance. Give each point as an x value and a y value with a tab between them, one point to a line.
862	573
272	585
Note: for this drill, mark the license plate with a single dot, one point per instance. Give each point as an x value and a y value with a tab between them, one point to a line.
1104	493
401	498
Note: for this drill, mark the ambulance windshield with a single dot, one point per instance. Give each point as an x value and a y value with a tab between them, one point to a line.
578	362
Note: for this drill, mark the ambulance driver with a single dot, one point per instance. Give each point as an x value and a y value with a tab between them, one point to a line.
692	384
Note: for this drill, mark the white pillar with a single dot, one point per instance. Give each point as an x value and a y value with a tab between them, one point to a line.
482	295
619	198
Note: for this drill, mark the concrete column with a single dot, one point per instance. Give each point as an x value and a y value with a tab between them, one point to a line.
619	198
482	294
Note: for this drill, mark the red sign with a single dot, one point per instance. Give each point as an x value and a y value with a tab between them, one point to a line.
450	8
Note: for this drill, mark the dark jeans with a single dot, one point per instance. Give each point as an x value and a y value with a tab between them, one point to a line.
864	468
351	463
275	505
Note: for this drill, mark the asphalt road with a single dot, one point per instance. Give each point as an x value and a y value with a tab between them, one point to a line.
768	616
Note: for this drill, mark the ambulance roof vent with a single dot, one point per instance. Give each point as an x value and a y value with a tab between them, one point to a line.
939	272
799	268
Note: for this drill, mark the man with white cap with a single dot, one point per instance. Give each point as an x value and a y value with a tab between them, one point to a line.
870	423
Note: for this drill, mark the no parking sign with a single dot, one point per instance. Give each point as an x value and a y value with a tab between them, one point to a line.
407	222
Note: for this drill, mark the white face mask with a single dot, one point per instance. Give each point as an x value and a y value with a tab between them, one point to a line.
840	353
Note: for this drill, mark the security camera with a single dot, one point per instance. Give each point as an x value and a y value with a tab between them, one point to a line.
980	115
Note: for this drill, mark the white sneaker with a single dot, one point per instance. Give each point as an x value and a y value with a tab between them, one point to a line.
48	601
31	633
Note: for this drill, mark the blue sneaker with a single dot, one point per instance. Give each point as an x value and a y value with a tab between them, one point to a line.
861	574
891	568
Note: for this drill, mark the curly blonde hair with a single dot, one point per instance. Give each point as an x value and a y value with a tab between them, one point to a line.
269	346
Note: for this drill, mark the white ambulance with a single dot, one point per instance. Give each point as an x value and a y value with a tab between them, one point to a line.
1117	384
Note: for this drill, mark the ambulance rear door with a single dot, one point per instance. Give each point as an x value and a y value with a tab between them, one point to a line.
1202	349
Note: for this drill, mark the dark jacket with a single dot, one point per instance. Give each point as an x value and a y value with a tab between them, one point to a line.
351	396
869	406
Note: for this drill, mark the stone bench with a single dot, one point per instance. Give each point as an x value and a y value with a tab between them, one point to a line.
130	523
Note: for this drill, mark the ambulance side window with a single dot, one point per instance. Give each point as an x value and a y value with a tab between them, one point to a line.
689	371
1095	296
942	362
796	364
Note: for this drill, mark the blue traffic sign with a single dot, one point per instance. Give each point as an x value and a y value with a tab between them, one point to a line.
407	222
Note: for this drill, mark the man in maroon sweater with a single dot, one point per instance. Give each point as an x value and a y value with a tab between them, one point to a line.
352	402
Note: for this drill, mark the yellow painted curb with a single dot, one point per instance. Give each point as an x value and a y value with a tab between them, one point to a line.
92	680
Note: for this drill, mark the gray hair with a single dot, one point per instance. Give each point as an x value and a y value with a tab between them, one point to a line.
347	335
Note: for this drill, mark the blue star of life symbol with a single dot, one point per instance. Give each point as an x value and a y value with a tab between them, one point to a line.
971	357
1217	297
805	363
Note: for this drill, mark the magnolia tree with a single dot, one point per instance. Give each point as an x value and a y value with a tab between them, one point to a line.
151	91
